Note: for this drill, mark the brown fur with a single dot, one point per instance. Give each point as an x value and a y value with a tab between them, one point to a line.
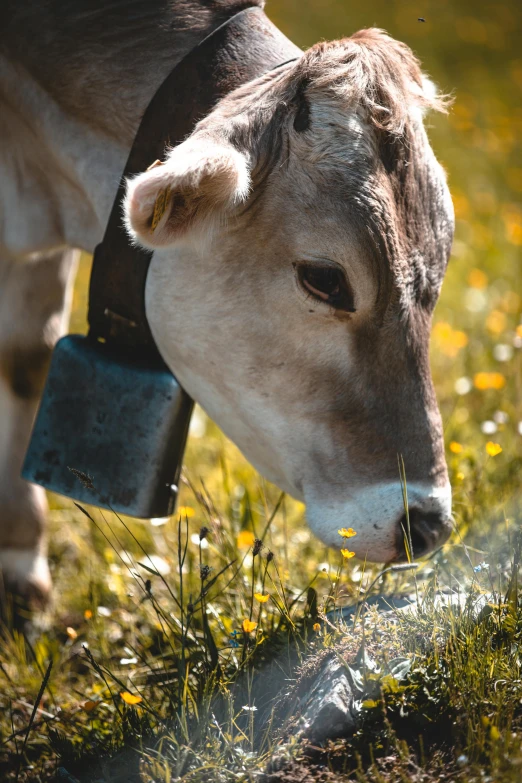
25	371
380	79
97	54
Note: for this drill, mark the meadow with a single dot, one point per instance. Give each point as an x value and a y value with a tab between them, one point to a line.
128	677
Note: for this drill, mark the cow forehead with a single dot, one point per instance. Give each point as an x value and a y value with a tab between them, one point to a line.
392	190
342	130
336	138
340	194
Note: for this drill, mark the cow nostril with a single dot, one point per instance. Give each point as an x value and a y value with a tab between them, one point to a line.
426	531
419	545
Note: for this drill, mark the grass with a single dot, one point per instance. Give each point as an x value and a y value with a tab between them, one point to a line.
130	674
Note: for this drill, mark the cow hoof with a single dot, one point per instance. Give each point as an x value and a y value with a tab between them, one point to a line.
26	585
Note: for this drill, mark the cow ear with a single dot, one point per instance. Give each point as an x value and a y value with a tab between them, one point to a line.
188	195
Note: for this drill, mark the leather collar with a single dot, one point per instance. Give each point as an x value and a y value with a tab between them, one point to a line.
242	49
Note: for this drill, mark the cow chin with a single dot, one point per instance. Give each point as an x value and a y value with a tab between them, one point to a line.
377	515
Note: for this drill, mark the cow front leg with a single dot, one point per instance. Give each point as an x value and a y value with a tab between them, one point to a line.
35	299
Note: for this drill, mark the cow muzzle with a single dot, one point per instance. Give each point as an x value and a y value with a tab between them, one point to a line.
377	513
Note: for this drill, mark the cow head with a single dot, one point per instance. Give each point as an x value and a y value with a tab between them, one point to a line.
296	267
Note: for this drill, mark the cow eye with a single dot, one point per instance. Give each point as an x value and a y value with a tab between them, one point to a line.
327	284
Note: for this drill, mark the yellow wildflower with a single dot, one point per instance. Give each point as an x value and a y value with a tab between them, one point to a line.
249	626
496	322
450	341
347	554
477	279
456	448
347	532
262	598
130	698
489	380
493	448
245	539
512	217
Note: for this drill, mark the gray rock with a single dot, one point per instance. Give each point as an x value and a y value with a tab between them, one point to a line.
327	709
332	706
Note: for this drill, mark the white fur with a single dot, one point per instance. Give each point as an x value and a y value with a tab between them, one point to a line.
25	566
7	420
35	298
184	170
59	177
369	511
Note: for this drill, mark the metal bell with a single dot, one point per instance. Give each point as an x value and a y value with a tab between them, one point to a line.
110	431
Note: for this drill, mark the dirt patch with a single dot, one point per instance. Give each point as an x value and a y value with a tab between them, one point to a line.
301	771
332	765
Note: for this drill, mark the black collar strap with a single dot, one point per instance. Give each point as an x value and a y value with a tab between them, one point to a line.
240	50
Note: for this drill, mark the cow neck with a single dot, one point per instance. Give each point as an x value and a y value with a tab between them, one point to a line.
242	49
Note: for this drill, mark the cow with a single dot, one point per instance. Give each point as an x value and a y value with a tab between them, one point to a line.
293	276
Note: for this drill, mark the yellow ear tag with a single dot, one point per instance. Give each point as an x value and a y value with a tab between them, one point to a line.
155	165
160	207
